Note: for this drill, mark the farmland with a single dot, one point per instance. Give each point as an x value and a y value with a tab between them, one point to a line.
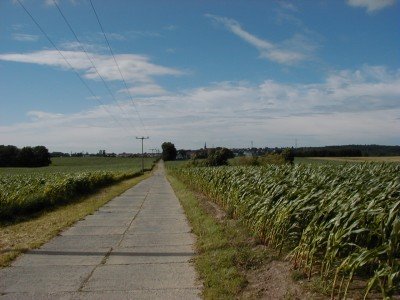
335	221
25	190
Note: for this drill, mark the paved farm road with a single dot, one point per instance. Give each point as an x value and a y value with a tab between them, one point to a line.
137	246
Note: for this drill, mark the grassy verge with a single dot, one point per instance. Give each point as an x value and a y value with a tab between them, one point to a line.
225	249
19	235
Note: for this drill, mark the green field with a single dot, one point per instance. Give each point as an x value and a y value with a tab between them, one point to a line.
80	164
337	221
26	190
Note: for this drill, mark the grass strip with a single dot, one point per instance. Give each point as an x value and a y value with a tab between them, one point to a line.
18	236
225	249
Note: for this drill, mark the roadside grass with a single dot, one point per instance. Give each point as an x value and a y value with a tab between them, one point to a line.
225	248
25	233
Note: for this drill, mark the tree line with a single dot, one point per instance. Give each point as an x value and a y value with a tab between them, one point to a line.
12	156
348	150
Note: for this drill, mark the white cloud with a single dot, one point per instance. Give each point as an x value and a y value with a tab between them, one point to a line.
287	6
40	115
50	2
23	37
137	70
349	106
371	5
145	90
171	50
142	33
170	27
115	36
288	52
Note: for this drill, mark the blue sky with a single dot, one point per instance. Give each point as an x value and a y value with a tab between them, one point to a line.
222	72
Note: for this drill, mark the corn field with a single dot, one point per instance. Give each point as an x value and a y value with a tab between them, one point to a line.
21	194
27	190
336	221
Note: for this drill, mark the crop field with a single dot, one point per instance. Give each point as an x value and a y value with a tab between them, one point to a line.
336	221
25	190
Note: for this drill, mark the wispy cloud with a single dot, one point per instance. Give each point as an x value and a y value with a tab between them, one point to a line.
349	106
51	2
115	36
170	27
145	90
287	5
142	33
371	5
287	52
171	50
23	37
138	70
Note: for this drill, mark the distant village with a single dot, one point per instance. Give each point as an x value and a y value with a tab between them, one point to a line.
182	154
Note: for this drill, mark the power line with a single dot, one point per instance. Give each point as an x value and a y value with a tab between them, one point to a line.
91	61
119	69
69	64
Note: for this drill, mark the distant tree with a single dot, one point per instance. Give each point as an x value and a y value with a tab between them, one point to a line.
42	156
11	156
288	155
168	151
26	157
8	156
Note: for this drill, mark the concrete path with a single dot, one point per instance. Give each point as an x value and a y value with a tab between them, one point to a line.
137	246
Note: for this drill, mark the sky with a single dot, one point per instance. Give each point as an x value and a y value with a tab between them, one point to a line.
228	73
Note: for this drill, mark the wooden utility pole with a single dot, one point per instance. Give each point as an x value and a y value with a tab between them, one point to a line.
142	138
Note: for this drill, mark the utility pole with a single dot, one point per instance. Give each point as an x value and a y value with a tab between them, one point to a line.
153	151
142	138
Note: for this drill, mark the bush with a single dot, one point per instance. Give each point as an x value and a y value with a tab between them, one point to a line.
268	159
218	157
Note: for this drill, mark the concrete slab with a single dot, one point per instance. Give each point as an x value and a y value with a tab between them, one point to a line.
94	230
159	216
81	242
41	257
159	228
120	208
145	255
43	278
37	295
104	217
104	222
167	294
115	214
152	238
136	276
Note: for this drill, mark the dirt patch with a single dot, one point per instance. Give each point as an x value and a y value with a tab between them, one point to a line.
212	208
273	280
